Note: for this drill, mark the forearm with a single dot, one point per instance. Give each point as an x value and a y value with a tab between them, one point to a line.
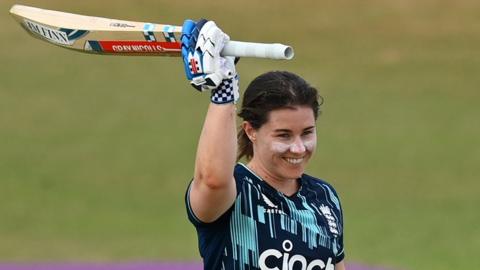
217	147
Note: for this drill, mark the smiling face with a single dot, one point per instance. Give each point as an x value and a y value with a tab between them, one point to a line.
284	144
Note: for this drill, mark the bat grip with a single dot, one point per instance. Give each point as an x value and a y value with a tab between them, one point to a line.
259	50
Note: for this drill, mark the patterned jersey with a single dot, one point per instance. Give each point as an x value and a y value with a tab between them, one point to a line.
265	229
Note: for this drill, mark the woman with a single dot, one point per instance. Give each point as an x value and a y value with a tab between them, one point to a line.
267	213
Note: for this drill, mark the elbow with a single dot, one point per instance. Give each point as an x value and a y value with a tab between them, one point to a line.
213	180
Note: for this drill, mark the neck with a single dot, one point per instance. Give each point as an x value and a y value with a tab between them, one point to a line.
285	186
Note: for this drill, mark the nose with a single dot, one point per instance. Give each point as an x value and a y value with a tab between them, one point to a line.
297	146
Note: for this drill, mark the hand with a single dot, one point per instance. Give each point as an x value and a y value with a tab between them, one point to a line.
206	69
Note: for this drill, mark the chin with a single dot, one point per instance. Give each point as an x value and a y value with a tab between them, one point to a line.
294	173
290	171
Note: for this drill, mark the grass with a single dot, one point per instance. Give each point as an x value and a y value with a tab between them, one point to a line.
96	152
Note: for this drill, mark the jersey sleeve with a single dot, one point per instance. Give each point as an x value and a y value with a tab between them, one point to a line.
194	219
211	236
191	215
339	246
341	251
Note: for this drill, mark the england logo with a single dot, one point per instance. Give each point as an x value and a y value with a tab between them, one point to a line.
327	213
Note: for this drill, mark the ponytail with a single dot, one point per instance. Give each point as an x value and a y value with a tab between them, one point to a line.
245	148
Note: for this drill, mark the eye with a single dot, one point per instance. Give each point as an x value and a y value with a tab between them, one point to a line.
283	135
307	132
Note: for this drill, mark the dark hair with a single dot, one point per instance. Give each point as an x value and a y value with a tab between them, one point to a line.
272	91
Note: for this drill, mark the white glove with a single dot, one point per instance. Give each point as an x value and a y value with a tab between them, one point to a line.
205	67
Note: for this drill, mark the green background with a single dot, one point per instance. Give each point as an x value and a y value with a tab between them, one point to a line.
96	151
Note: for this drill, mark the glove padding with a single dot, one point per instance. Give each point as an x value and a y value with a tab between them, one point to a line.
202	43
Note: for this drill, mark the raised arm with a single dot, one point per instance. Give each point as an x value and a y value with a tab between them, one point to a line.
213	189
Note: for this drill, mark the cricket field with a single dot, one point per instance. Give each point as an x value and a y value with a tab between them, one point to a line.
96	151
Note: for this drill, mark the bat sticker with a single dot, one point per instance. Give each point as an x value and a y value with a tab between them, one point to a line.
48	33
132	47
168	33
122	25
148	27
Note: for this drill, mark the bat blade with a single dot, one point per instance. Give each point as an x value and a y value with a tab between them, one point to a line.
99	35
118	37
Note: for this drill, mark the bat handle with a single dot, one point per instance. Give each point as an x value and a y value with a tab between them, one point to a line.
259	50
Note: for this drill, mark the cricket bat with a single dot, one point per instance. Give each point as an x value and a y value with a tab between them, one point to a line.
119	37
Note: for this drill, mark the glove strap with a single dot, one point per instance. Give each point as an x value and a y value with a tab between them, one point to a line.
227	92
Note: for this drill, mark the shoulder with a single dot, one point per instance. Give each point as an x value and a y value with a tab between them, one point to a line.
314	180
240	170
317	183
321	186
246	179
242	173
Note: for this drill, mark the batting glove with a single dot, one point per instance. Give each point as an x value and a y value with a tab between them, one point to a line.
205	68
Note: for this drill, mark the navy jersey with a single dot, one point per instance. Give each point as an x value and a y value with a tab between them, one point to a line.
265	229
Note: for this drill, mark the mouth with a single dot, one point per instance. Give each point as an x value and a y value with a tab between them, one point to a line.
294	161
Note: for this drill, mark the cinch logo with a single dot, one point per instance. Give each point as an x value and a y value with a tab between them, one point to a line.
287	262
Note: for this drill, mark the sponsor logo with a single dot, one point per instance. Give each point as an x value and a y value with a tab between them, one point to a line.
332	224
50	34
285	261
133	47
194	67
121	25
272	208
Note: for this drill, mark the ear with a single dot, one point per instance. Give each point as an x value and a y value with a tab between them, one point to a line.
249	130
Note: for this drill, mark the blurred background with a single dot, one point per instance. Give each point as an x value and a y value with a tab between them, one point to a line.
96	151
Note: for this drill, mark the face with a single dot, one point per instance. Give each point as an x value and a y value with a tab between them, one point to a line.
283	146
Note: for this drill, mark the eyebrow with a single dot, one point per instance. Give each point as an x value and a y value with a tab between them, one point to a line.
281	130
288	130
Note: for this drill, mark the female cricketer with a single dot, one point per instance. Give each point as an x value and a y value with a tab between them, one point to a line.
267	213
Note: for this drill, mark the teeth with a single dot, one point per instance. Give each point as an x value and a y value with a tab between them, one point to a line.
294	160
